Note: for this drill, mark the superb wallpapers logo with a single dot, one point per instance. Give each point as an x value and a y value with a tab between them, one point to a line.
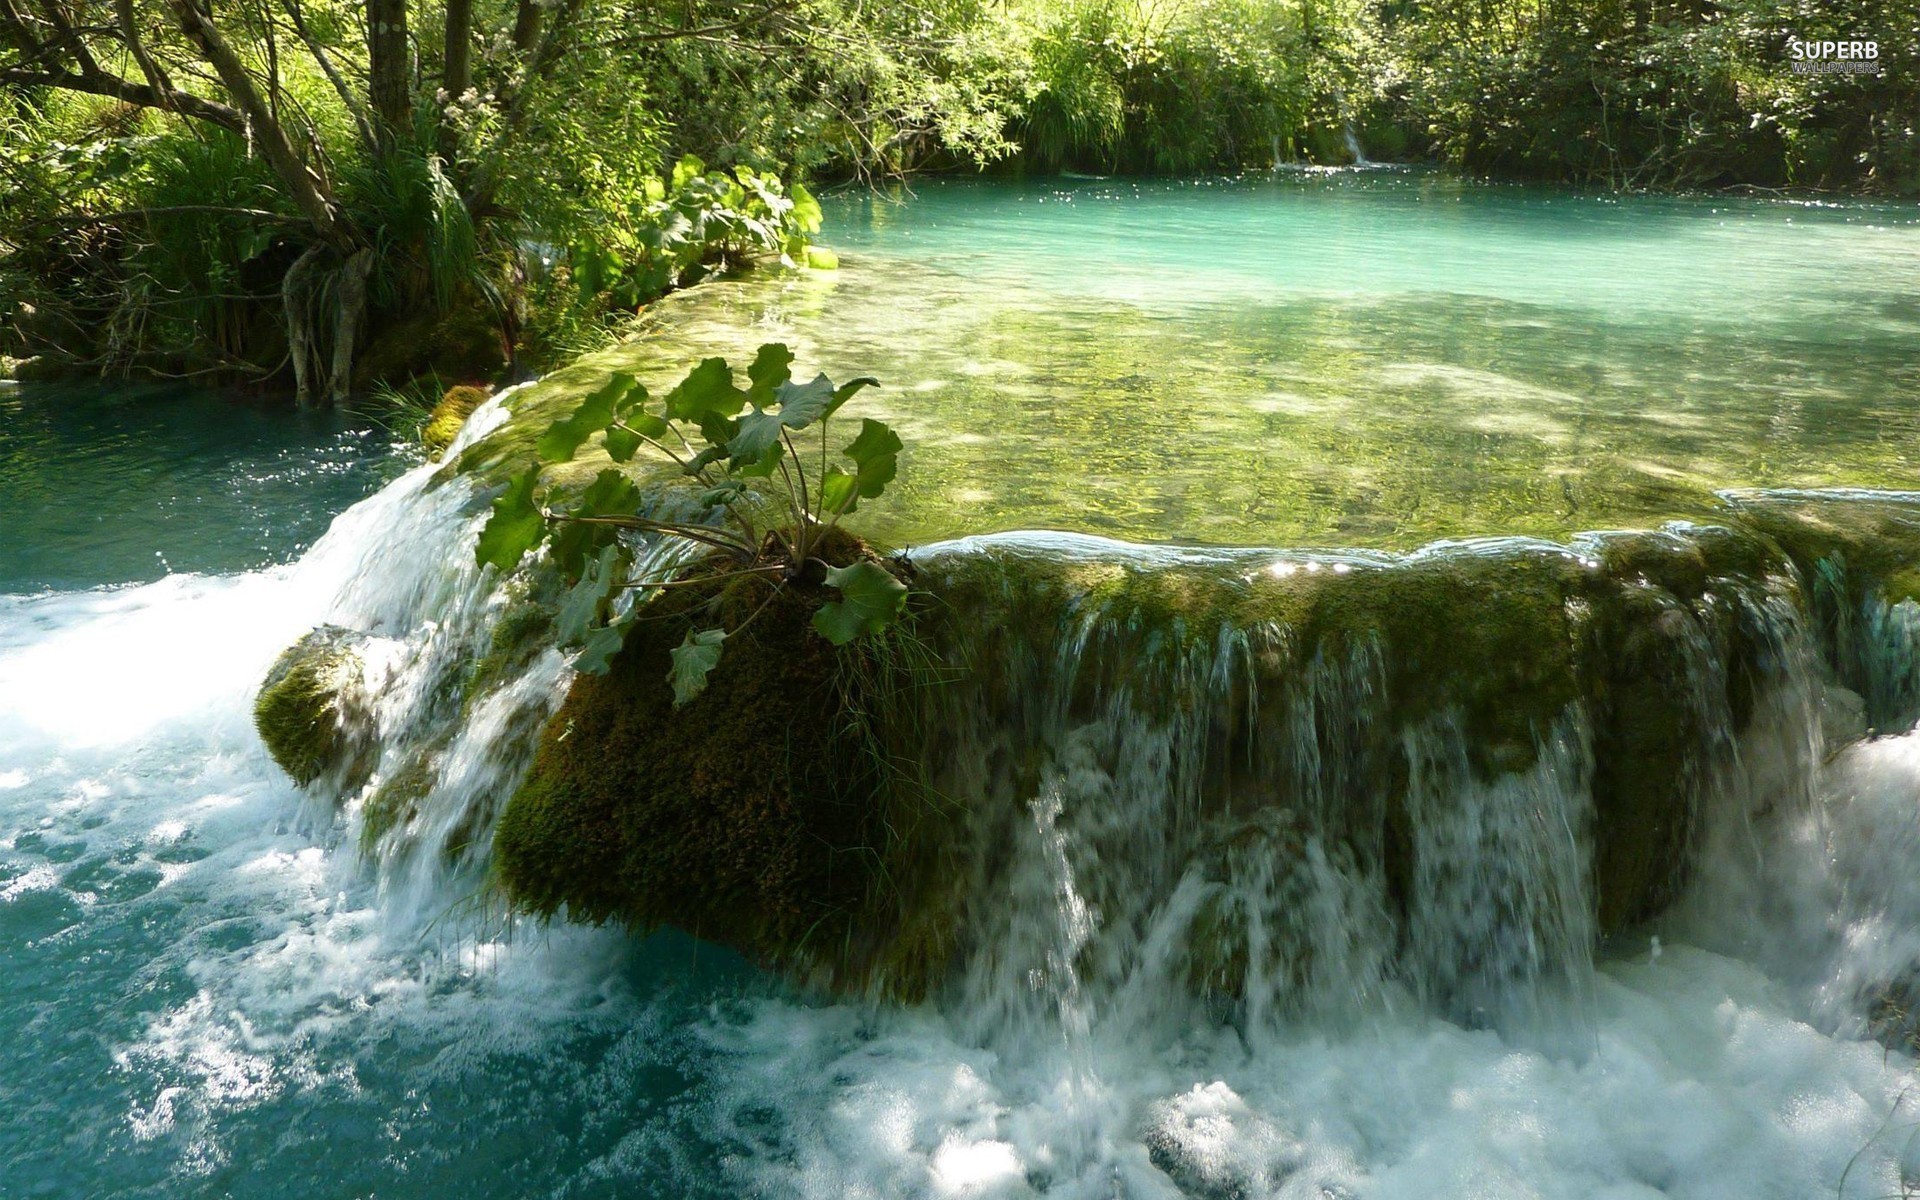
1854	56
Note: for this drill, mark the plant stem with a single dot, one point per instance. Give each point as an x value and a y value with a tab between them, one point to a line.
696	533
769	569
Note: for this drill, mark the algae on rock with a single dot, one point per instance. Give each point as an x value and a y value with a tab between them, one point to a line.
309	712
443	424
755	814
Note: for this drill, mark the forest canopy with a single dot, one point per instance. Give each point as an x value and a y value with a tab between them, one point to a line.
318	195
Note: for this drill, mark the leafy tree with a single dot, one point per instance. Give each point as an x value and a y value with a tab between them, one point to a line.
256	176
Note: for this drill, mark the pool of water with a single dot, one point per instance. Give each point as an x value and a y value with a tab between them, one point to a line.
130	483
1372	358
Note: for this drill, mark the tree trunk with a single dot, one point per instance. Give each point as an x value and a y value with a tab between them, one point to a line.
389	69
350	306
456	75
296	293
526	25
267	134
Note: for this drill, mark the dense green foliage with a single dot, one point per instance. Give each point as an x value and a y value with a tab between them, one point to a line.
757	511
1644	94
330	194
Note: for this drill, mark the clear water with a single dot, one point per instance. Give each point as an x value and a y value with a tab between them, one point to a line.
132	483
1371	358
208	993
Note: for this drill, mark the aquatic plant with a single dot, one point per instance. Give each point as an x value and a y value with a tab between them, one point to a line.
757	511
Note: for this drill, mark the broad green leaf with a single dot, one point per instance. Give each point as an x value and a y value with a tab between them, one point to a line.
759	433
806	210
707	389
876	453
718	430
516	524
801	404
646	423
687	170
632	424
622	443
611	494
727	493
847	391
820	258
705	459
839	492
769	371
870	599
580	609
765	465
573	543
564	437
695	656
597	655
633	402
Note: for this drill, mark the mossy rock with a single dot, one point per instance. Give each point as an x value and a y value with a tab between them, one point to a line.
308	711
753	815
521	633
443	424
396	797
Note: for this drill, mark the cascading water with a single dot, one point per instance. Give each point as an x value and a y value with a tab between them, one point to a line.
1226	909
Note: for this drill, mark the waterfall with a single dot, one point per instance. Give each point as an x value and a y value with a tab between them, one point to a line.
1244	872
1227	786
1352	143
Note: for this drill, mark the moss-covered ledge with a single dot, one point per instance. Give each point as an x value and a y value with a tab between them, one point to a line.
761	814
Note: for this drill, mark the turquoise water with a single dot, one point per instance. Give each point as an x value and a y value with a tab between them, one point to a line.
1363	358
122	485
209	993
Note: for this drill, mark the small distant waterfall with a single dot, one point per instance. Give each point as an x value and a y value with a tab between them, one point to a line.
1352	143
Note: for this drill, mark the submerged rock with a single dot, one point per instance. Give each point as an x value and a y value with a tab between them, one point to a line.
310	711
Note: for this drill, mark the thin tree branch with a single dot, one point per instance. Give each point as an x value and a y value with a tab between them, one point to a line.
354	108
115	88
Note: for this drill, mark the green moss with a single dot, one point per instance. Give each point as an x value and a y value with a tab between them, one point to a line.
395	801
1878	535
1901	585
752	816
1481	637
519	636
301	711
443	424
465	342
